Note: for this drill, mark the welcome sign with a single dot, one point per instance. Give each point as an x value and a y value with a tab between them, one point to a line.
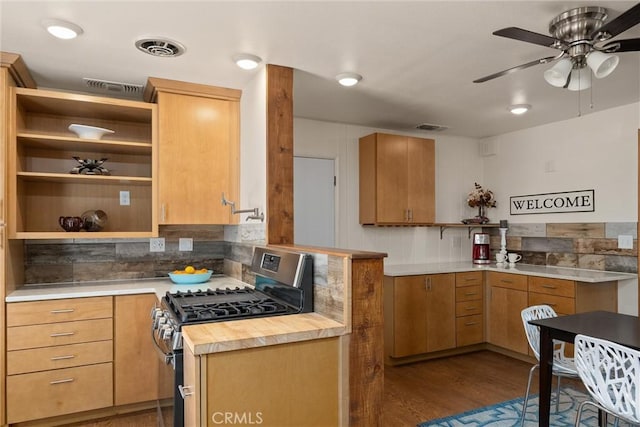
568	201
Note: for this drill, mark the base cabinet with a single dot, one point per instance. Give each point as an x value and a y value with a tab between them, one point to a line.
294	384
419	314
69	349
507	298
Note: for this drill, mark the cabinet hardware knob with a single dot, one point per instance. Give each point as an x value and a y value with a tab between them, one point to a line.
64	310
66	380
183	390
62	334
71	356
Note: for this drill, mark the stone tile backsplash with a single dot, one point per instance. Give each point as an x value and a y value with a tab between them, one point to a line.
592	246
80	260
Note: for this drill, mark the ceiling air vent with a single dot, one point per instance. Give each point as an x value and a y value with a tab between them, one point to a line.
428	126
104	86
157	46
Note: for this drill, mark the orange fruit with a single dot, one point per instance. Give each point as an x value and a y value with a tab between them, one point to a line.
189	269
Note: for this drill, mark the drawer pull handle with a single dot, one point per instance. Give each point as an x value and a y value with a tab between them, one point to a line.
470	294
62	310
62	334
470	308
506	281
470	323
71	356
549	303
183	391
470	279
549	286
66	380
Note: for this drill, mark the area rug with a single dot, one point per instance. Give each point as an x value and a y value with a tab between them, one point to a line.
507	414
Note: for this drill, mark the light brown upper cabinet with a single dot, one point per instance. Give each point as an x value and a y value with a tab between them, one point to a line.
198	151
397	180
41	187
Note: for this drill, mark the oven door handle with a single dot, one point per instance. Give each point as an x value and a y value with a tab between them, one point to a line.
166	356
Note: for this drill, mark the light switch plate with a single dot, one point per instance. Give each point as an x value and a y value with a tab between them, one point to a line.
156	244
185	244
625	241
125	198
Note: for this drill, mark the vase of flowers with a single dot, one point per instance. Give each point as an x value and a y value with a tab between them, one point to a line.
480	198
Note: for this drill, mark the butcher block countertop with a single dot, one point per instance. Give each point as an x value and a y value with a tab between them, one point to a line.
577	274
248	333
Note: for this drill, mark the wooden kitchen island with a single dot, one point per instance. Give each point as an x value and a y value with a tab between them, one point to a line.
276	371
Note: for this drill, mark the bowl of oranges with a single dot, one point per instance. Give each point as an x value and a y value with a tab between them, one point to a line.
190	275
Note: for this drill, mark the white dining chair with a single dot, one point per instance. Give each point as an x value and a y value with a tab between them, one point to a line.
563	366
611	374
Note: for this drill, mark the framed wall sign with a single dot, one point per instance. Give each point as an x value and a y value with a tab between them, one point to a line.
567	201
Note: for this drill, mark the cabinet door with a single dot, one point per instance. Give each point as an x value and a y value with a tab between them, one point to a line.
441	312
198	158
410	316
191	389
505	324
392	178
137	365
421	180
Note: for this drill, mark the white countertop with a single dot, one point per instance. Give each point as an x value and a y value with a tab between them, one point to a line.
159	286
578	274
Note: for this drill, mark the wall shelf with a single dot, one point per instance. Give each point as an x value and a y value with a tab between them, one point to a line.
469	227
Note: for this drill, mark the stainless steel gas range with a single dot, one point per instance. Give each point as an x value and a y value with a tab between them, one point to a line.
283	285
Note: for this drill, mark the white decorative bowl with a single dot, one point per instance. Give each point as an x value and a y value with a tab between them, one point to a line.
89	132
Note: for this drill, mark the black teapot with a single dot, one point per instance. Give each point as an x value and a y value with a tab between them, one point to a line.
71	223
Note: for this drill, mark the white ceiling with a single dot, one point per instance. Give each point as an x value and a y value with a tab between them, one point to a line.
418	58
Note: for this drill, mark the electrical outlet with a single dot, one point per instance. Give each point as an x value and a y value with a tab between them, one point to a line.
125	199
156	244
185	244
625	242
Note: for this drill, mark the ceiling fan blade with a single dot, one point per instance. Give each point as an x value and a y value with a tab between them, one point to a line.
519	67
526	36
622	23
628	45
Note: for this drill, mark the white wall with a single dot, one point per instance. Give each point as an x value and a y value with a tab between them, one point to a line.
458	166
253	144
595	151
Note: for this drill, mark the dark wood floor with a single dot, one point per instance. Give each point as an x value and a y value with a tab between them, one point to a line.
421	391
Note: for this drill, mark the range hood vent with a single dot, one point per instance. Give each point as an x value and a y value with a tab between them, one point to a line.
431	127
104	86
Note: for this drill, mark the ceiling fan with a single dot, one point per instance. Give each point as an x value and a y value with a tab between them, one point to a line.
581	36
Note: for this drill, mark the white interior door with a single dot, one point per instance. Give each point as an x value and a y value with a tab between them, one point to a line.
314	201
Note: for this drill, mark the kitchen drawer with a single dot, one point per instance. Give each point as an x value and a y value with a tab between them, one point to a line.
33	336
561	305
61	356
469	293
468	308
59	310
469	330
545	285
58	392
469	278
507	280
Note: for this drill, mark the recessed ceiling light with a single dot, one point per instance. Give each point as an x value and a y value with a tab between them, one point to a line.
348	79
247	61
62	29
519	109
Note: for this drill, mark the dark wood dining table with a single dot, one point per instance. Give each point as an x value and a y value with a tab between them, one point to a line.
619	328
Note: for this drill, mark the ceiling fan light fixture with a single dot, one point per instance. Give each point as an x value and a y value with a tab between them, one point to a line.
348	79
558	74
601	63
62	29
519	109
580	79
247	61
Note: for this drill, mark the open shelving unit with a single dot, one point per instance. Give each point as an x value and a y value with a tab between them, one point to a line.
469	227
41	157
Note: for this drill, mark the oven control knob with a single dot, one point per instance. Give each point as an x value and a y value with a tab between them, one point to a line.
155	311
177	340
167	331
160	320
